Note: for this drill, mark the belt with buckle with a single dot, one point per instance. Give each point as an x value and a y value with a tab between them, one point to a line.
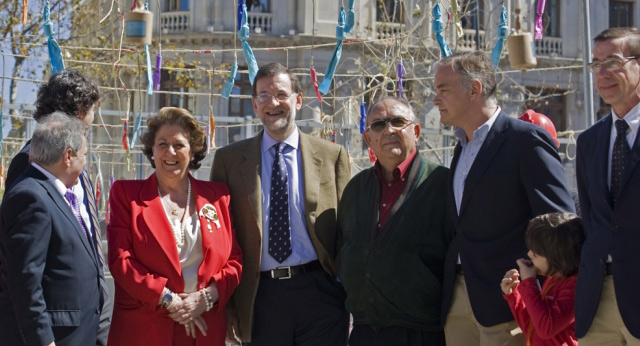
282	273
607	269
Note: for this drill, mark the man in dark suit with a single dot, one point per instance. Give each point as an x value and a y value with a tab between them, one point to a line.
285	187
77	96
49	268
608	154
504	172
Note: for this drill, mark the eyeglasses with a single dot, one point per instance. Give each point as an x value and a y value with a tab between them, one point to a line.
397	123
610	64
266	97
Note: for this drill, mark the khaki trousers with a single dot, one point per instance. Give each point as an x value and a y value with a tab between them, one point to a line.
462	328
607	327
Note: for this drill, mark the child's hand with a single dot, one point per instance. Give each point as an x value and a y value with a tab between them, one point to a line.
527	270
510	281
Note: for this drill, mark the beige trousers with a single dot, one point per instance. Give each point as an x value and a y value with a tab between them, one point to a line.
462	328
607	327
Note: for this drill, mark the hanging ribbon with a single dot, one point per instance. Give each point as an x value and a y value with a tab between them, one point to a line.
503	32
240	4
456	18
56	64
438	27
136	129
333	63
212	131
314	81
125	143
351	18
149	70
400	76
25	9
243	34
157	74
226	90
363	116
539	30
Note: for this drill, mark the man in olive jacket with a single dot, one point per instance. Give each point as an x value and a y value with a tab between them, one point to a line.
395	236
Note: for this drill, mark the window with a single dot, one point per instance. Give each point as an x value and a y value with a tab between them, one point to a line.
620	13
257	5
176	5
389	11
469	11
169	82
551	18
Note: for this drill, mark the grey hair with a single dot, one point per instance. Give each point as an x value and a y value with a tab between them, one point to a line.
54	134
411	116
474	66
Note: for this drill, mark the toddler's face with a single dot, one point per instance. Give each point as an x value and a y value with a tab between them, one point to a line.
540	262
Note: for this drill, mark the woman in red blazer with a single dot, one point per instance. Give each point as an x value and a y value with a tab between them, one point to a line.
172	251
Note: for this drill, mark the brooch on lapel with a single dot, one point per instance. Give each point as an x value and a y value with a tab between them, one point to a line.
210	213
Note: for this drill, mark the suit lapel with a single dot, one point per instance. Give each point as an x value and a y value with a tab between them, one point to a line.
157	222
311	168
490	147
251	169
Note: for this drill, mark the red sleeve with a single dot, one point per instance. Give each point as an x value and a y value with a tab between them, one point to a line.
518	307
553	314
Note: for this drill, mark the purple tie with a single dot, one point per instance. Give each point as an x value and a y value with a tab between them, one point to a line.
75	208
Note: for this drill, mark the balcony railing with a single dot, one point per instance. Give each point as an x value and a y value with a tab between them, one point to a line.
260	22
468	39
549	46
175	22
388	30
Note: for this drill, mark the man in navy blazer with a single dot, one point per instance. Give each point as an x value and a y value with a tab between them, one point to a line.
607	298
49	268
504	172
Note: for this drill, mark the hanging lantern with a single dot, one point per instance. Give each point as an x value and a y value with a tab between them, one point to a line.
521	48
139	25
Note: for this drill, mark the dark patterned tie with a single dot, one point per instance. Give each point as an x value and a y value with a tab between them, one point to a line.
619	157
279	228
75	208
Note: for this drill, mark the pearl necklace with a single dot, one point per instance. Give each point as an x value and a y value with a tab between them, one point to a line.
178	234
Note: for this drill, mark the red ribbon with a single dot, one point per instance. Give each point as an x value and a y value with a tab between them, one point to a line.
314	80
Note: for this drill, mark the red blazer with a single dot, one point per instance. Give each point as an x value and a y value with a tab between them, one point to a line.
143	259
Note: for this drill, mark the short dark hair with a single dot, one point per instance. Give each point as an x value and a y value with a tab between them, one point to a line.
68	91
274	69
558	237
631	35
180	117
474	66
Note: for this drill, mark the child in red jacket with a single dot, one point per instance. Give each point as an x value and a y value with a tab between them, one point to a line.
546	314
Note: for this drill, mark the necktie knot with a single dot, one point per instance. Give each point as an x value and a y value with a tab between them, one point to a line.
71	198
621	127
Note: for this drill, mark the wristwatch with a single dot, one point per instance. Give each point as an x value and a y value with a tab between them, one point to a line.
167	299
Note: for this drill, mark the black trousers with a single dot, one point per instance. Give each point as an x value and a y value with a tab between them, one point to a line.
365	335
307	310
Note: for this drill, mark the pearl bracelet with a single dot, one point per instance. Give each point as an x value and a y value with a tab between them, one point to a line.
207	299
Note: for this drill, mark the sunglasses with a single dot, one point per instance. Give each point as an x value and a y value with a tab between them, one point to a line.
396	123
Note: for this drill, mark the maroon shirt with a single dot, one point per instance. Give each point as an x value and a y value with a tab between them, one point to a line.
390	191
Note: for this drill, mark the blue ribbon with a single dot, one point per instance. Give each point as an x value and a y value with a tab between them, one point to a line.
240	4
438	27
503	32
226	91
351	18
149	73
333	63
56	64
136	129
243	34
363	116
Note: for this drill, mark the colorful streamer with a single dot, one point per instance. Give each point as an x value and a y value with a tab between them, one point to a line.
503	32
157	74
25	11
240	4
456	18
438	27
333	63
351	18
539	30
56	64
400	76
226	90
149	73
212	131
125	143
136	129
363	117
314	81
243	34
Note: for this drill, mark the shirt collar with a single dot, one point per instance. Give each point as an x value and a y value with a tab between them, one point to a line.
59	185
632	118
293	140
481	132
400	171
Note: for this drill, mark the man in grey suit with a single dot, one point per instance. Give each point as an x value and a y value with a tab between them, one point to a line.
285	187
49	266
